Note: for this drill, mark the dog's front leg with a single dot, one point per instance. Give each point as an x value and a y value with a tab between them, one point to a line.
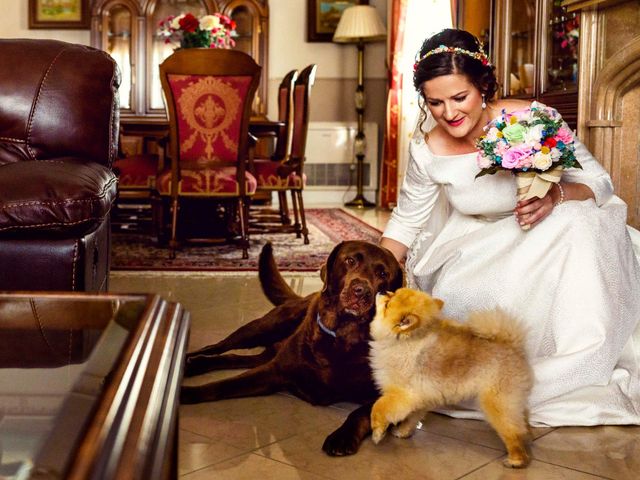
347	439
263	380
394	406
279	323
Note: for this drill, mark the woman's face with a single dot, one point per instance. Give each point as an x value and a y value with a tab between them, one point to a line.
455	103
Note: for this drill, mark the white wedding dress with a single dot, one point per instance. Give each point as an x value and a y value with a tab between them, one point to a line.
573	280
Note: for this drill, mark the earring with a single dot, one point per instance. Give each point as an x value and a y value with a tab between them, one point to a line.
484	103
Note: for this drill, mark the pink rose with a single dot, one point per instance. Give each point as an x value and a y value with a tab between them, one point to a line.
501	148
564	135
516	157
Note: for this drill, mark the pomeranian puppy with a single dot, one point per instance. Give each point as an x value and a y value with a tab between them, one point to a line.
421	361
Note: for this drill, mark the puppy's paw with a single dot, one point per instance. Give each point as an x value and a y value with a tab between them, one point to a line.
517	459
405	429
378	434
379	423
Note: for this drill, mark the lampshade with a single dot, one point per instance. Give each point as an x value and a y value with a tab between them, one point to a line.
359	23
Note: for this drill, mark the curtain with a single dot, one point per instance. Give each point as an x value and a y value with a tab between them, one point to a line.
389	169
454	13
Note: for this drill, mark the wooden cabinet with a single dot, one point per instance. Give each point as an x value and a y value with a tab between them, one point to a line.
127	29
535	50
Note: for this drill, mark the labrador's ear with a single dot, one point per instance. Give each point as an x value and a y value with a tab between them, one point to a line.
398	280
327	268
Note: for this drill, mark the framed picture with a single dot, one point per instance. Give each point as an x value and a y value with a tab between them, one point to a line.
54	14
323	17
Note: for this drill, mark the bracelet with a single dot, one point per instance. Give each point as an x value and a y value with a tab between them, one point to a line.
561	199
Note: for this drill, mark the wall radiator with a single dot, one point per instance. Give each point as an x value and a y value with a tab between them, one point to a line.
330	161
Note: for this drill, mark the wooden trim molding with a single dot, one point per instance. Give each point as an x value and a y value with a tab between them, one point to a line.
573	5
608	122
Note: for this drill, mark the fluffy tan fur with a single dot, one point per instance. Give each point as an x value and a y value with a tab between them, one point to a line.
421	360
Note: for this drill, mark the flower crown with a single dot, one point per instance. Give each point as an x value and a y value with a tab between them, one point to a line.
481	56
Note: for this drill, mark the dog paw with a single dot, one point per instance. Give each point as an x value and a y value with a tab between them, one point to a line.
404	430
377	435
339	444
189	395
518	459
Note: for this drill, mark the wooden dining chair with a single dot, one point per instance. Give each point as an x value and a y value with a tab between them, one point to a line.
282	132
286	174
208	94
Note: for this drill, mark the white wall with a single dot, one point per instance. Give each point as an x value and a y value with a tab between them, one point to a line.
14	23
287	40
288	45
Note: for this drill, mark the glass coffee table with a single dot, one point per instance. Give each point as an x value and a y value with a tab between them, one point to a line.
89	385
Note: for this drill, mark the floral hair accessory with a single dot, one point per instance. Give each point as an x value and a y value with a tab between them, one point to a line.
480	56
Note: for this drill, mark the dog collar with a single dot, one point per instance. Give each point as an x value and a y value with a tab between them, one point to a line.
323	327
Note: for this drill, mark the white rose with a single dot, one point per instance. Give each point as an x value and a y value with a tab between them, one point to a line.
533	134
492	134
175	23
555	153
542	161
209	22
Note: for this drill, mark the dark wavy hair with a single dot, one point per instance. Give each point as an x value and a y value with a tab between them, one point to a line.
482	76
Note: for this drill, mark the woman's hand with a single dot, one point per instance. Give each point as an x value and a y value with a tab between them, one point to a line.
533	211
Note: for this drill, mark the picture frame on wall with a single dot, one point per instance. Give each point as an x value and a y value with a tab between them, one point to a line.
59	14
323	17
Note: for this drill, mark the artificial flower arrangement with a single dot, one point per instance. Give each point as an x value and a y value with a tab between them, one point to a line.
533	143
209	31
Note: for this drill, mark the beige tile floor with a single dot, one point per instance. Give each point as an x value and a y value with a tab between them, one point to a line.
280	437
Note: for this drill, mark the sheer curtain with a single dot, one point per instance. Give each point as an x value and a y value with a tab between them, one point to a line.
420	19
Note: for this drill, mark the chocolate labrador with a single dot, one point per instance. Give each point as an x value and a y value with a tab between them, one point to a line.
315	347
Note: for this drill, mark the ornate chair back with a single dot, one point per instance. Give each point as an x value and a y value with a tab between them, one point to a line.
209	94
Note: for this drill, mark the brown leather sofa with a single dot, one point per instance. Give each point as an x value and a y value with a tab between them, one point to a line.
58	139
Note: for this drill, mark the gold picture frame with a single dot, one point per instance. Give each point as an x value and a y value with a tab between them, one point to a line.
59	14
323	17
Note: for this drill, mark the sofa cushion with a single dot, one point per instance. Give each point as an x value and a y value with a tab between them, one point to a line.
59	195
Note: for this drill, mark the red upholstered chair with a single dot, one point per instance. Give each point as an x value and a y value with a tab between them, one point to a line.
287	174
208	94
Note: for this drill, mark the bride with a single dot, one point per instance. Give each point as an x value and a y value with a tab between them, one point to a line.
573	278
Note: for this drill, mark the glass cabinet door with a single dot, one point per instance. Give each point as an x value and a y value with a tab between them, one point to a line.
117	30
560	70
158	50
522	52
244	29
251	37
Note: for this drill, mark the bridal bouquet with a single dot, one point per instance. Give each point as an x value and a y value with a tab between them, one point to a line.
209	31
534	144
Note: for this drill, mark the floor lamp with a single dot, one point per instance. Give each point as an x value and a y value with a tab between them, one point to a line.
360	24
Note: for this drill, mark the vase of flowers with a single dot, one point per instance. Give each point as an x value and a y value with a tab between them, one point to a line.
534	144
208	31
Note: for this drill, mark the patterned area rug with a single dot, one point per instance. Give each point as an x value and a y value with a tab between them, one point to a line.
327	227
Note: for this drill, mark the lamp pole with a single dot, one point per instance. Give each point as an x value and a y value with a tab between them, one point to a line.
360	141
360	24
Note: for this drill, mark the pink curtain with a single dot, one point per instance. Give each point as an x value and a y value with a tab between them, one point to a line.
389	170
